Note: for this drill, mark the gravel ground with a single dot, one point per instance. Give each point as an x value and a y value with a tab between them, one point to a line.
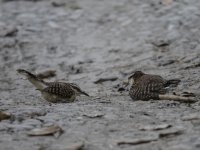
85	40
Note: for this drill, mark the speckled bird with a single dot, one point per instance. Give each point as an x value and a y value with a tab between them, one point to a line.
54	91
148	86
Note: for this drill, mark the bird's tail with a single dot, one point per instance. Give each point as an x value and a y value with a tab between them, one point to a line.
177	98
173	82
37	82
26	73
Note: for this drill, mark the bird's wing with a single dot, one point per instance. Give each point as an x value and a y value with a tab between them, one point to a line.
59	89
140	93
153	84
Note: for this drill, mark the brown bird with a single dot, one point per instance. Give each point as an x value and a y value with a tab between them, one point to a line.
54	91
148	86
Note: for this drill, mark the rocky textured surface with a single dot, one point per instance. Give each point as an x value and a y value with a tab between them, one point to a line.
87	40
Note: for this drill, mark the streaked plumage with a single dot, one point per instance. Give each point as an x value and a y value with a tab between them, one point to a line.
54	91
147	86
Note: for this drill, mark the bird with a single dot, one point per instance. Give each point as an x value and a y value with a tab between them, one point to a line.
54	91
148	86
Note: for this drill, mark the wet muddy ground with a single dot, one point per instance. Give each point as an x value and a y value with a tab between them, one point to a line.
85	40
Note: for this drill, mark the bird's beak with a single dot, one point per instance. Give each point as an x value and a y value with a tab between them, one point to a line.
84	93
126	83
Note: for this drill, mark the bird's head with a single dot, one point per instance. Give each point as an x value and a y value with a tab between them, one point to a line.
78	90
135	76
